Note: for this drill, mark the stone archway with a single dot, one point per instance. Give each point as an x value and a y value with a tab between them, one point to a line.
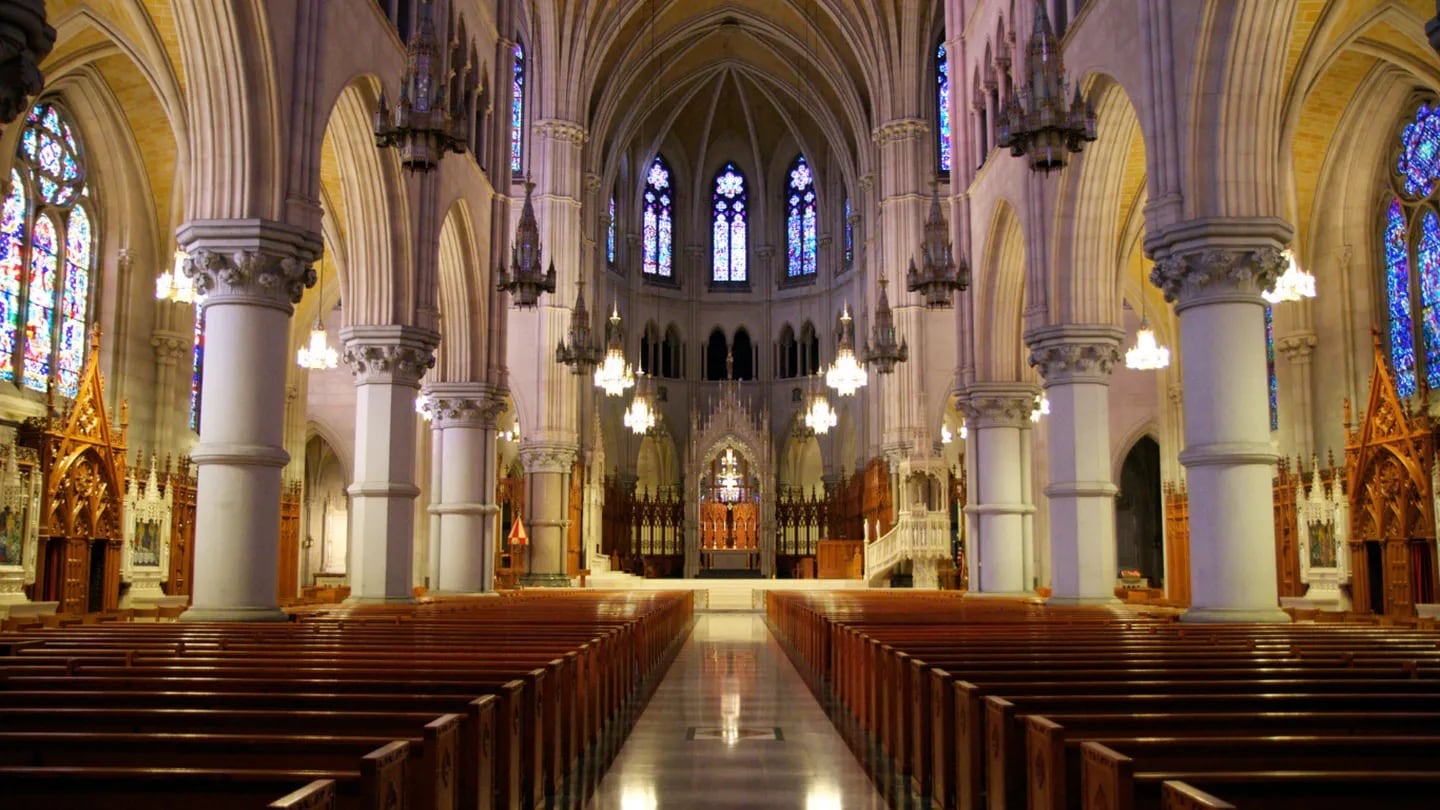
733	425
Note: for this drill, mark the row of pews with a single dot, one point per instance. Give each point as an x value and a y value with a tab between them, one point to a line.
512	702
984	703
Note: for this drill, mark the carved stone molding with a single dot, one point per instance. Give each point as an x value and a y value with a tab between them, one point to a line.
169	346
563	131
464	405
592	184
1297	347
901	129
1075	354
547	458
253	262
25	40
389	355
998	405
1219	273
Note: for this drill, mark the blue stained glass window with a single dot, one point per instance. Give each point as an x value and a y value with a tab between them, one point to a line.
40	314
849	236
942	106
1397	289
1272	382
197	369
1427	267
50	147
70	359
800	223
610	235
517	112
1419	161
12	262
657	220
729	209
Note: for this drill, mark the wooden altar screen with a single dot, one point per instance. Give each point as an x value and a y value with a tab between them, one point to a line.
1388	464
82	464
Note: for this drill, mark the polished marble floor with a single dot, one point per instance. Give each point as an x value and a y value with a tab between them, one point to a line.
732	725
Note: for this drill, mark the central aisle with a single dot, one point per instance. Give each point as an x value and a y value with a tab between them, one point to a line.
733	726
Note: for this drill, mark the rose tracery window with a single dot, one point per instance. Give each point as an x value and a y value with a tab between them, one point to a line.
1410	252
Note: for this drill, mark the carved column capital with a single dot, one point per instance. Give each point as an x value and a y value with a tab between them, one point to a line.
254	262
561	130
169	346
1297	347
389	355
998	405
464	404
1218	259
1075	353
899	130
547	458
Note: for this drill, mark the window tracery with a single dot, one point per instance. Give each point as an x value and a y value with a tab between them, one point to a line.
728	207
800	237
658	220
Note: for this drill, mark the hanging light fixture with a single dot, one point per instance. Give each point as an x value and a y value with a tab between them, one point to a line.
423	126
582	353
1036	120
885	352
938	277
525	280
946	436
1147	354
423	406
318	356
641	415
174	285
1292	285
614	374
1041	408
819	415
846	375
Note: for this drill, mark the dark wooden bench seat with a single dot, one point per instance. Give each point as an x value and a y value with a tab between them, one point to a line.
1312	790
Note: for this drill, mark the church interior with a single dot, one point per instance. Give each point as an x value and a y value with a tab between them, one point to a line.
719	403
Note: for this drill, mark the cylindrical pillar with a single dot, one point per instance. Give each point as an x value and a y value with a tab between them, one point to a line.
464	415
547	468
1228	458
1076	362
251	273
387	363
996	414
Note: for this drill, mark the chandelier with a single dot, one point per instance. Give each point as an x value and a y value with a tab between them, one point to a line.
641	415
846	375
946	436
1292	285
318	355
939	277
729	478
1147	354
422	126
525	280
582	353
174	285
614	374
885	353
819	416
1041	408
1036	120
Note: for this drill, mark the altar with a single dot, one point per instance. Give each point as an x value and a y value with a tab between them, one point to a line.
731	559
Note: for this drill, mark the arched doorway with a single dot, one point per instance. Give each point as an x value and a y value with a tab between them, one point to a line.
1139	514
326	542
729	516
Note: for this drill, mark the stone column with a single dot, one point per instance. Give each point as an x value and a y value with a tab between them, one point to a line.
1215	281
464	419
547	472
997	413
387	363
1297	348
252	273
1076	362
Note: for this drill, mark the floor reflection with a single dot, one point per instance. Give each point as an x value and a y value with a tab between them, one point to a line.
775	747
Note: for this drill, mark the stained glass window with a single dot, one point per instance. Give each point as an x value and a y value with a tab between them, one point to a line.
1273	383
1427	268
197	369
610	235
47	257
12	260
942	107
40	311
658	225
517	111
728	207
1419	160
1397	289
76	295
849	236
800	220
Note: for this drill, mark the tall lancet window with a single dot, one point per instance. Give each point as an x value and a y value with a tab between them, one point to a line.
197	369
942	107
728	208
1410	238
849	235
610	236
800	220
1272	382
517	112
47	256
658	222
